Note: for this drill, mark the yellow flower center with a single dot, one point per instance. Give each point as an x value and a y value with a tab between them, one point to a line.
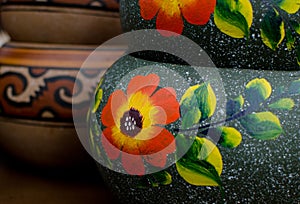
171	7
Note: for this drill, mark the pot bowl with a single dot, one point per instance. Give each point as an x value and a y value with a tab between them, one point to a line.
50	24
37	82
103	4
235	133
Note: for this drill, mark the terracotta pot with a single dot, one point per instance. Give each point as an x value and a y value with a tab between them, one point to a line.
237	129
241	34
49	24
37	82
42	143
102	4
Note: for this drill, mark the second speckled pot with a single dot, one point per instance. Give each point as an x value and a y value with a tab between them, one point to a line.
245	147
240	34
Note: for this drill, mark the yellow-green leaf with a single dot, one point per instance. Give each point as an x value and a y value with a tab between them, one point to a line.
290	6
295	87
200	96
188	97
233	106
189	108
230	137
202	166
284	104
296	26
190	117
234	17
98	96
290	40
207	100
98	99
272	29
298	55
155	180
263	125
258	90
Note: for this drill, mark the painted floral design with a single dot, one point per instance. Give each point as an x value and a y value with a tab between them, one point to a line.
134	121
169	14
136	127
232	17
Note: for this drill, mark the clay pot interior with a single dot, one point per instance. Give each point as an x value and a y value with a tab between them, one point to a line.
76	25
103	4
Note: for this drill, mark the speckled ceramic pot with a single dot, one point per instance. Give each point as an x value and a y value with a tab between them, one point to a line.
241	34
37	82
59	24
244	147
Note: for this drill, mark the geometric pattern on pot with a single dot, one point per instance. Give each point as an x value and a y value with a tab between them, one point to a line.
103	4
45	93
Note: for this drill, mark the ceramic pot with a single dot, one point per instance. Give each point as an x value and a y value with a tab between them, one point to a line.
52	24
102	4
240	34
238	129
37	82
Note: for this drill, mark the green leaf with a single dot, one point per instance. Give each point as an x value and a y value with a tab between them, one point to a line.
183	144
98	99
189	108
207	100
190	118
98	96
258	90
234	17
202	165
198	173
189	99
279	91
295	87
272	29
234	106
290	40
290	6
200	96
284	104
296	26
230	137
298	55
263	125
155	179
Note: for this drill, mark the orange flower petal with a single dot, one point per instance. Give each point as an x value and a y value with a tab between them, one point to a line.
111	151
164	141
198	11
133	164
158	159
169	111
167	22
148	83
149	8
111	113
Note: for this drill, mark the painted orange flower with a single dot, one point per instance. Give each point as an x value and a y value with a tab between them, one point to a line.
134	124
169	13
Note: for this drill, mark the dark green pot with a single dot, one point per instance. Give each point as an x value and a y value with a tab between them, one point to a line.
260	107
239	34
